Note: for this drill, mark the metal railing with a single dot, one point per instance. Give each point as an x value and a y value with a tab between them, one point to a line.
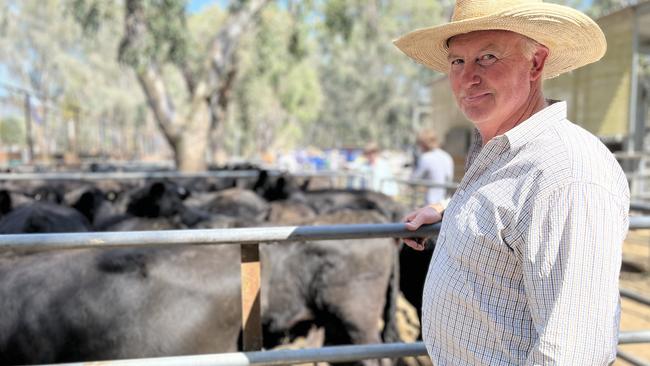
85	176
249	237
414	184
309	355
39	242
36	242
347	179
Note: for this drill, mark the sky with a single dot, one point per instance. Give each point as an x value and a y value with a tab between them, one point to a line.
194	6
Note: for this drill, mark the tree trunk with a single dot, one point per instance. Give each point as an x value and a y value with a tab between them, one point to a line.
188	135
191	146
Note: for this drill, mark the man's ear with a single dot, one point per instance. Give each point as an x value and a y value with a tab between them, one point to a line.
539	60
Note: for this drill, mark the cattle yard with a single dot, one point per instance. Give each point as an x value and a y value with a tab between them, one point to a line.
636	317
635	276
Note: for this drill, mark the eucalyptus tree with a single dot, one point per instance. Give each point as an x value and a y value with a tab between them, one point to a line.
34	35
68	76
278	94
371	89
158	47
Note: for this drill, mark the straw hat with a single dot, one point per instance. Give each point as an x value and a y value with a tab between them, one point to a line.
573	39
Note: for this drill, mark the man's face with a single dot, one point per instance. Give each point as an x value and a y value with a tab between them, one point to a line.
490	75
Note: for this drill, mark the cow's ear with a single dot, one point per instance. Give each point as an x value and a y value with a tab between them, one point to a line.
262	178
157	189
5	202
305	185
86	205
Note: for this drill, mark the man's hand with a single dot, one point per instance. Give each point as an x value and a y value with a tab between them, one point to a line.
417	218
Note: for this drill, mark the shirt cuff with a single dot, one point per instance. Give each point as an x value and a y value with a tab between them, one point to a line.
441	205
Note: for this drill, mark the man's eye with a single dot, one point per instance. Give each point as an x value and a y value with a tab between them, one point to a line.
487	59
457	62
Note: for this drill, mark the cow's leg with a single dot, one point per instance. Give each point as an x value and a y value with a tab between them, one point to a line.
355	315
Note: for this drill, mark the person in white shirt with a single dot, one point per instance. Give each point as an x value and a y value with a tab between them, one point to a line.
378	170
526	265
434	165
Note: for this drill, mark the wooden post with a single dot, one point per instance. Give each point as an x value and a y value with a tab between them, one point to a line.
250	292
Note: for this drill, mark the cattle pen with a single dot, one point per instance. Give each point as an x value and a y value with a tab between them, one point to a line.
248	238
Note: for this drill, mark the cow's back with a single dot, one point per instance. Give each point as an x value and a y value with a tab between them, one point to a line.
120	303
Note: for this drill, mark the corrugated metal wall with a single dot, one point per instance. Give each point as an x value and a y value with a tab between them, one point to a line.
599	94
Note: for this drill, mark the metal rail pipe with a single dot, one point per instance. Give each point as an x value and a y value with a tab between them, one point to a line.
640	206
631	359
126	175
639	222
635	296
424	183
641	336
87	176
278	357
325	354
36	242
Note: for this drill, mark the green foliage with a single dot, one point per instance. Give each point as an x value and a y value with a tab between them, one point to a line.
339	19
47	51
12	131
91	14
322	72
596	8
165	37
278	94
370	87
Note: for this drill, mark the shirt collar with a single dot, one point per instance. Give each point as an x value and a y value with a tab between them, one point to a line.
522	133
529	129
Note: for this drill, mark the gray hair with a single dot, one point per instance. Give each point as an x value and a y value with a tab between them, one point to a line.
529	46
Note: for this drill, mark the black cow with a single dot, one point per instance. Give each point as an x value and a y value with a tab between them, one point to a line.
344	286
160	200
39	217
122	303
127	303
414	266
239	203
333	200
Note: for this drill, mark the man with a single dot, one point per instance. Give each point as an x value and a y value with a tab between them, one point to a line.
525	270
378	170
435	165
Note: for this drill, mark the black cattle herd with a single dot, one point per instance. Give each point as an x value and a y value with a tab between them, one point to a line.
103	304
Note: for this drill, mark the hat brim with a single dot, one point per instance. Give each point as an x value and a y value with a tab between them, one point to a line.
573	39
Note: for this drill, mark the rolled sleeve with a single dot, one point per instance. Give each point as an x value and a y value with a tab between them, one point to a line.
571	260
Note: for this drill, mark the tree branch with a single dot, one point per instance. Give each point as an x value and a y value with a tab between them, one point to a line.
159	101
188	76
219	101
146	69
226	41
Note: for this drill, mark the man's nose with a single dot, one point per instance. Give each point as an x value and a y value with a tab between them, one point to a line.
470	74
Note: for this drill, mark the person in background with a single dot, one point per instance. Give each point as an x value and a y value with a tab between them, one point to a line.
434	164
378	170
526	265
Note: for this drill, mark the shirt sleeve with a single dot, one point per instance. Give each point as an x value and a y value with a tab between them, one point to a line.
571	258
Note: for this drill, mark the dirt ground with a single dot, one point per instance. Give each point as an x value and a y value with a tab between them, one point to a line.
635	275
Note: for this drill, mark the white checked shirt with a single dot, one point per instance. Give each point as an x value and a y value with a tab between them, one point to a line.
526	266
